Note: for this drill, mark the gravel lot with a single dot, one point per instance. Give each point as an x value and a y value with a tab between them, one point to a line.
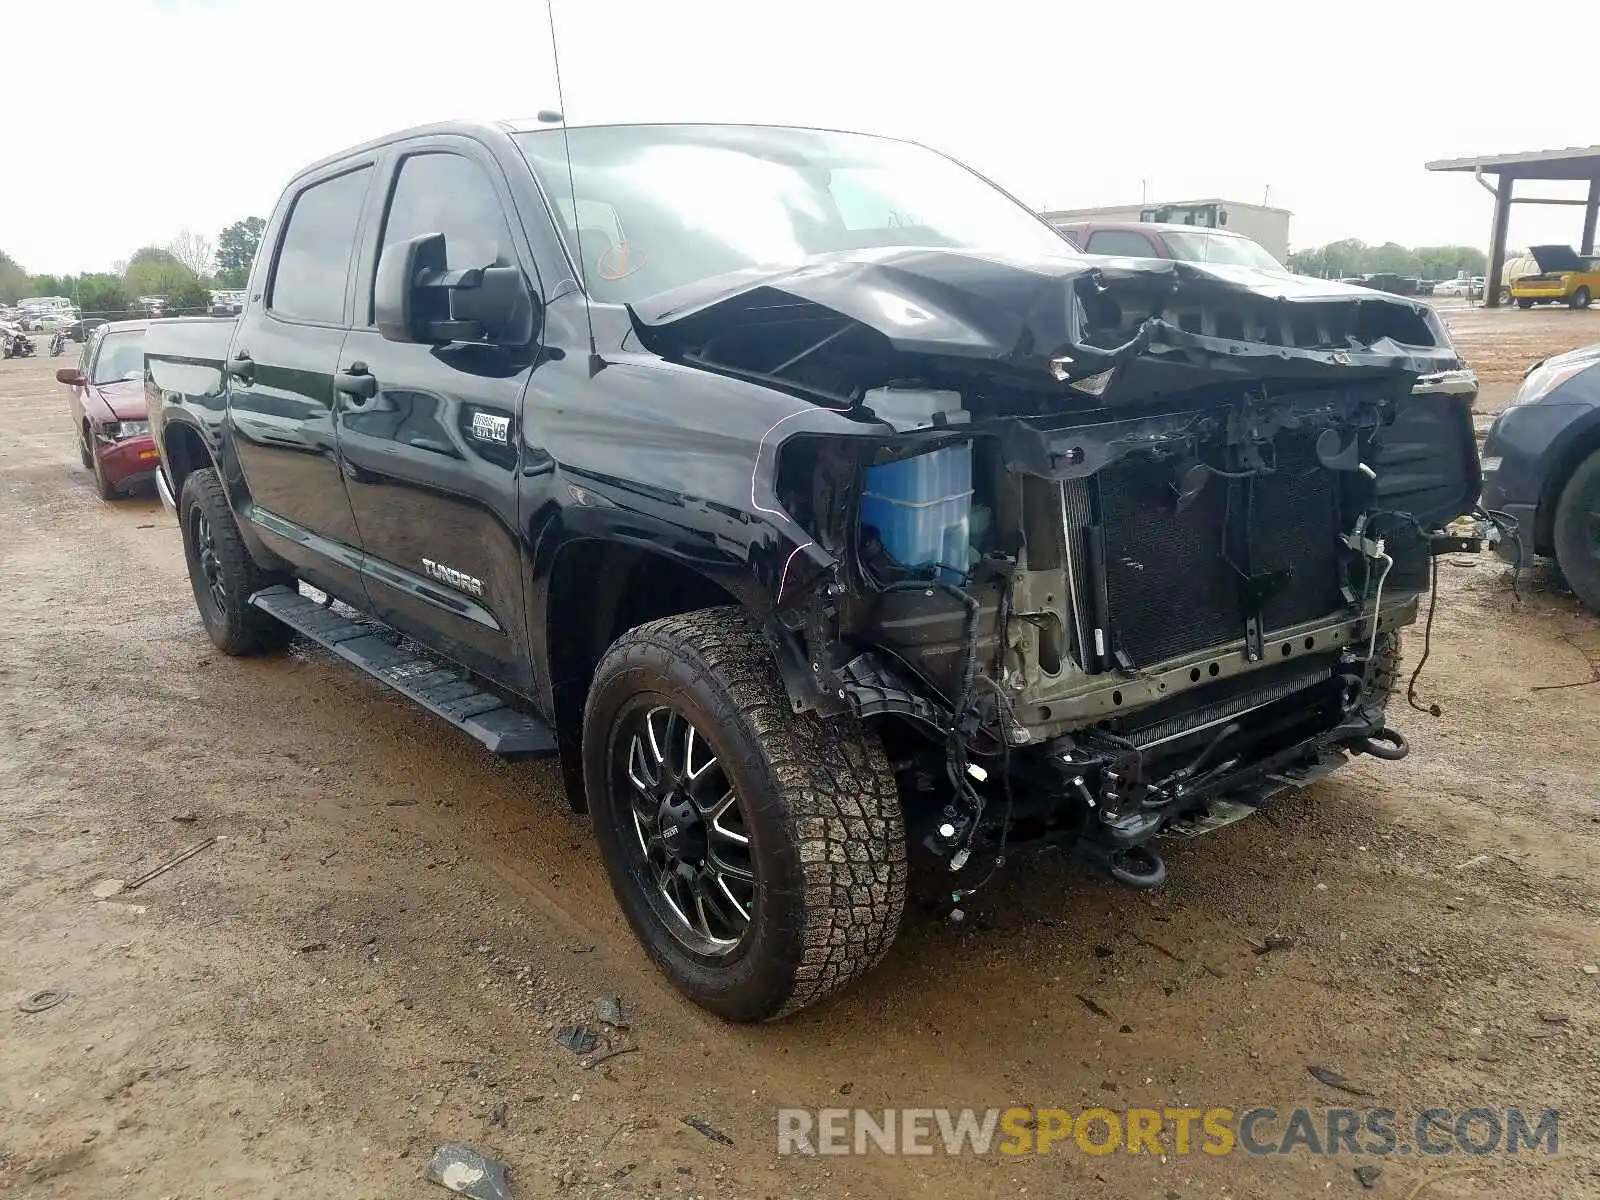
371	957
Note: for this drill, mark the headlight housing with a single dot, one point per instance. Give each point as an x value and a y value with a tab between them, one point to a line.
121	431
1545	377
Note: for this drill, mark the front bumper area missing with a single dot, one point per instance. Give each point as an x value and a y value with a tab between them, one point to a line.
1200	798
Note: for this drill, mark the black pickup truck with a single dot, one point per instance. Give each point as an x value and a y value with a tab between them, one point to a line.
817	504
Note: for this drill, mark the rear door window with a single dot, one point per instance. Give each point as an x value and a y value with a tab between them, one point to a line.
314	256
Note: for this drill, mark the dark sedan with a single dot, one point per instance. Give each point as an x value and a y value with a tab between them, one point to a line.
1541	465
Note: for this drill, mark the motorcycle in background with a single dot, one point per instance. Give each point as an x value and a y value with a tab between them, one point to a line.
58	343
16	344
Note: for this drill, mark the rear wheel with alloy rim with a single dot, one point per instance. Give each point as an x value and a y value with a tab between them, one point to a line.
222	573
759	854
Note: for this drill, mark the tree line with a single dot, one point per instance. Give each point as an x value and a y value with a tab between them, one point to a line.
183	273
1351	256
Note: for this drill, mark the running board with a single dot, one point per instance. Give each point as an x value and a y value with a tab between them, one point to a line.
445	691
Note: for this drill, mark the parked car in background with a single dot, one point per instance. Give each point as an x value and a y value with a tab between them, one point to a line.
1564	277
227	302
1395	285
1187	243
106	402
1453	287
1541	464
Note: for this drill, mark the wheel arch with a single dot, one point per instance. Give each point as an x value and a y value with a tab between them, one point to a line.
183	452
596	591
1575	450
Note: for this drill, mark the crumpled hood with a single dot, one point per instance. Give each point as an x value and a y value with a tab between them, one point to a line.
125	398
1057	319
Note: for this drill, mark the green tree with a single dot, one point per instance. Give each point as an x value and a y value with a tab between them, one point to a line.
1391	258
101	295
231	277
189	296
1345	257
154	271
1446	262
50	285
236	249
13	280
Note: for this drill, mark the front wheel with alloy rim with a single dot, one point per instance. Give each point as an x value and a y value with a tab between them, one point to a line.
1580	298
759	854
223	574
1576	532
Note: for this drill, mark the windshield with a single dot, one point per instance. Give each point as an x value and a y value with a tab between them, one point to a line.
121	356
657	207
1227	248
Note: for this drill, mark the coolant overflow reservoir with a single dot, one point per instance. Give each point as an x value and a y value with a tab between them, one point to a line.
915	408
922	506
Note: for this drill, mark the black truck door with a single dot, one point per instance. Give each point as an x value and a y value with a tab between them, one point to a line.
281	395
428	434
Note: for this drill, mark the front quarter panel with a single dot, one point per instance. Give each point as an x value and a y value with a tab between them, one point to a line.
666	458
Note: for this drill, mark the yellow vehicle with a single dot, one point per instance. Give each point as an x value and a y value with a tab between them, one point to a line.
1565	277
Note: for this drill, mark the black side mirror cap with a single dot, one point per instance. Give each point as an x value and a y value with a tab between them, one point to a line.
417	298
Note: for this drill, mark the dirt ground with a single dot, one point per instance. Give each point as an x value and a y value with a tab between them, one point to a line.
371	957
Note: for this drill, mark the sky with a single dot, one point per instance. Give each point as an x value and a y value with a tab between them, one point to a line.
143	118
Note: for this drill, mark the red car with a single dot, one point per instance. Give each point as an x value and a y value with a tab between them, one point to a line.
107	405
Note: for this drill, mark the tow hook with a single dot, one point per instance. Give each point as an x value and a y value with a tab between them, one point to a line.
1387	744
1136	866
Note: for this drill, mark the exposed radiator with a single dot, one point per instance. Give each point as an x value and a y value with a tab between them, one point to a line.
1170	588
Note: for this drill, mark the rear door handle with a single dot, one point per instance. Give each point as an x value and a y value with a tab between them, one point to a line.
357	382
242	367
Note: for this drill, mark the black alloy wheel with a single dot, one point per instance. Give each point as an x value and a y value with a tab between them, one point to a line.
759	854
222	573
205	543
691	842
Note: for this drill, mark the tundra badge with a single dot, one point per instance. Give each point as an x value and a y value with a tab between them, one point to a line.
451	577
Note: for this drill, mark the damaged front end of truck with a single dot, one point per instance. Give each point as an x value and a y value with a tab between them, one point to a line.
1110	549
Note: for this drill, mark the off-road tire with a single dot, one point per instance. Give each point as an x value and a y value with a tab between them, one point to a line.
1577	532
827	836
1580	298
85	448
239	628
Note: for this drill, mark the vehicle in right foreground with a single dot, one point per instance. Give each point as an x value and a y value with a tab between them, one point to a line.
818	505
1541	465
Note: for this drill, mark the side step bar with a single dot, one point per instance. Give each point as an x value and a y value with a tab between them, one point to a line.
444	691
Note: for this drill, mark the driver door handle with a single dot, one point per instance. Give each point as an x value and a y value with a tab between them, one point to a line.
242	367
357	382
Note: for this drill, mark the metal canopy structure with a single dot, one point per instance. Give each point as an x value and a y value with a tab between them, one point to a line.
1573	163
